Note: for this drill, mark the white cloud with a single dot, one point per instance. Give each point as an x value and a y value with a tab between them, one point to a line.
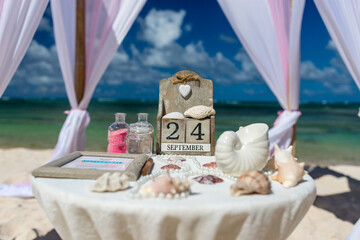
335	78
227	39
331	45
39	73
188	27
162	27
45	25
194	57
339	89
309	71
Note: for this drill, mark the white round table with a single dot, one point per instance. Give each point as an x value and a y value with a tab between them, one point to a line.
208	213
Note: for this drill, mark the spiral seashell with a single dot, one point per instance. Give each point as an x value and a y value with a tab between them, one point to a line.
166	185
111	182
252	181
246	149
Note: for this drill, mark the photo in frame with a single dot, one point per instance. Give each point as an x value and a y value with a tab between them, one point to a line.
91	165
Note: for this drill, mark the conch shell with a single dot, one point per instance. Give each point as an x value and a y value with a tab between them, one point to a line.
111	182
282	155
252	181
247	149
289	172
199	112
166	185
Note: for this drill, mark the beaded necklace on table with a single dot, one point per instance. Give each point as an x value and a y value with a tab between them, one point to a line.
185	169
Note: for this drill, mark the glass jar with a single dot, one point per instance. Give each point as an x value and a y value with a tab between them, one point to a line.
117	134
141	137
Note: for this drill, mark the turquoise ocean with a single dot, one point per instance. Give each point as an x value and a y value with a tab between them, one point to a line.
327	133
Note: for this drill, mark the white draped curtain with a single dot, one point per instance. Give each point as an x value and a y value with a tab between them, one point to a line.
342	20
107	23
19	20
269	30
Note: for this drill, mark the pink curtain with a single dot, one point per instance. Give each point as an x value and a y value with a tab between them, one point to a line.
269	30
342	20
107	23
19	20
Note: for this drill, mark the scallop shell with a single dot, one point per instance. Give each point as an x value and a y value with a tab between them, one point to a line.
166	185
252	181
111	182
174	115
176	159
199	112
246	149
289	173
170	166
210	165
208	179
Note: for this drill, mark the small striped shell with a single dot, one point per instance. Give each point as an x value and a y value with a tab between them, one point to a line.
252	181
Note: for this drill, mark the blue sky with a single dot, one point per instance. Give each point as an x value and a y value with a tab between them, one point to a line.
169	36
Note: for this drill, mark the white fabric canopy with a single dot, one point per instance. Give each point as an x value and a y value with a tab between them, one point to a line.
19	20
355	232
270	33
342	20
107	23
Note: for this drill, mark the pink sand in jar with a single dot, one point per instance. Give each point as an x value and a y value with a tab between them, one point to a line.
116	140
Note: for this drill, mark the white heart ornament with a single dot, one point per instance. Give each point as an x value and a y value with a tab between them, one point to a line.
184	90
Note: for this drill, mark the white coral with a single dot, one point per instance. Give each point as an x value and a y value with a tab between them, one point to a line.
111	182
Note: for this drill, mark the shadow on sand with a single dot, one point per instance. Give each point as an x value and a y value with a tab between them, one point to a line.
345	206
52	235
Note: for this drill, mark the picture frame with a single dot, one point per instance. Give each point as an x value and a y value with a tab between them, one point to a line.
91	165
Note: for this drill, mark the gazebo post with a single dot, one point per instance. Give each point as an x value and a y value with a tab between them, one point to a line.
293	139
80	44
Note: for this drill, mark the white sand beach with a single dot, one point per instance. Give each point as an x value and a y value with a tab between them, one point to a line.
331	217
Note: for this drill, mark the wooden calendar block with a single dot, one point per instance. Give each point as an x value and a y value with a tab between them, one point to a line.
173	130
198	131
185	136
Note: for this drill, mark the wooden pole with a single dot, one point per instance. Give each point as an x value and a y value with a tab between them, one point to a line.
293	139
80	59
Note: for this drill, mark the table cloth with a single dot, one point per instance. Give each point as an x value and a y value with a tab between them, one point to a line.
210	212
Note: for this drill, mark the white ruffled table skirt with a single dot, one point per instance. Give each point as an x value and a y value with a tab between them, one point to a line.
208	213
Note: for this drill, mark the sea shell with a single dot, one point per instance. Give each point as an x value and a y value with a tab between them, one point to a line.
247	149
208	179
282	155
199	112
111	182
176	159
166	185
289	173
252	181
170	166
174	115
210	165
